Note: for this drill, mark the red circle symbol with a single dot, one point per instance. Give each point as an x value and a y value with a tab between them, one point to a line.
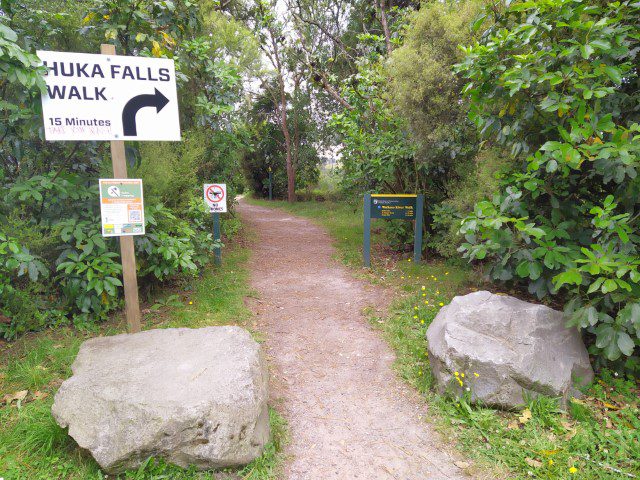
215	193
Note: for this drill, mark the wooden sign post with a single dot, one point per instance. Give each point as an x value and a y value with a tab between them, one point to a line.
102	97
127	253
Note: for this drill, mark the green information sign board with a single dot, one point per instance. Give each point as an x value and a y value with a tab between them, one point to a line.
393	206
121	207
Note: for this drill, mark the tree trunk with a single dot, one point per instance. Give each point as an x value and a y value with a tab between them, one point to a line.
296	127
385	26
291	173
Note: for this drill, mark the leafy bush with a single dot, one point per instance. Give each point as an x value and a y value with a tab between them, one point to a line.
557	80
399	234
18	310
445	225
55	266
174	246
479	179
377	151
89	283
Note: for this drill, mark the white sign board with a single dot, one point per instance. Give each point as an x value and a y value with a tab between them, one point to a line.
121	207
109	97
215	195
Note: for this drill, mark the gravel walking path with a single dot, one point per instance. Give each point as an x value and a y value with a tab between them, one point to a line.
349	416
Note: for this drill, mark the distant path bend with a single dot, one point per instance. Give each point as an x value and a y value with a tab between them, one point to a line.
349	416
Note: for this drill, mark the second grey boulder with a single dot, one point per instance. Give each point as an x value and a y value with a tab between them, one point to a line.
501	350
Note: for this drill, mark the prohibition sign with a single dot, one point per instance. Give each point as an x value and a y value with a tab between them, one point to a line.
215	193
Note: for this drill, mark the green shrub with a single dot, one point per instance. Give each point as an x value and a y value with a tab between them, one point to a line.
174	246
54	264
398	233
20	311
479	180
445	238
424	91
557	80
18	308
90	283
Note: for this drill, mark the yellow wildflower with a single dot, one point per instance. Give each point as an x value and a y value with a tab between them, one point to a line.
573	470
415	316
423	287
550	462
456	373
476	374
441	304
190	303
462	375
422	321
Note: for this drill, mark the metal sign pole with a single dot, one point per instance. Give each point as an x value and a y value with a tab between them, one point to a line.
127	252
366	249
417	239
216	237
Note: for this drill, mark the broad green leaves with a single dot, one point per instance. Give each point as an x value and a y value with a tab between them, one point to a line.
55	266
570	99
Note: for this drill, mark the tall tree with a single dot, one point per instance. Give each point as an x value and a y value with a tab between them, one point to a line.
271	34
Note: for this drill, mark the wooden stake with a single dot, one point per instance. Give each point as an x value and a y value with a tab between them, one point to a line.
127	253
366	244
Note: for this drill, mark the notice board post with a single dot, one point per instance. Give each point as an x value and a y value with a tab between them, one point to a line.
215	197
417	235
270	184
127	252
393	206
366	247
216	236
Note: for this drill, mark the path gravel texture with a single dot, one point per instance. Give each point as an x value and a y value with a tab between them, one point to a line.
349	416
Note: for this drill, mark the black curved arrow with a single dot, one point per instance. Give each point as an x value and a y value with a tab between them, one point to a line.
130	110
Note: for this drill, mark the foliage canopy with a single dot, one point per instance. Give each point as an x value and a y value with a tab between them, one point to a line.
557	81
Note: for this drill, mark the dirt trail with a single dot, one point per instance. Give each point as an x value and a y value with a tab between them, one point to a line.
349	416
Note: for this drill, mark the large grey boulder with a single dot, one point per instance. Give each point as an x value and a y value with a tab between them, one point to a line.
507	349
190	396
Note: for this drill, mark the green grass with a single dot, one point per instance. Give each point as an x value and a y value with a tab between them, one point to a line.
34	447
598	436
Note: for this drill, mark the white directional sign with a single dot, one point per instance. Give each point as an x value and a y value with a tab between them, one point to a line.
215	195
109	97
